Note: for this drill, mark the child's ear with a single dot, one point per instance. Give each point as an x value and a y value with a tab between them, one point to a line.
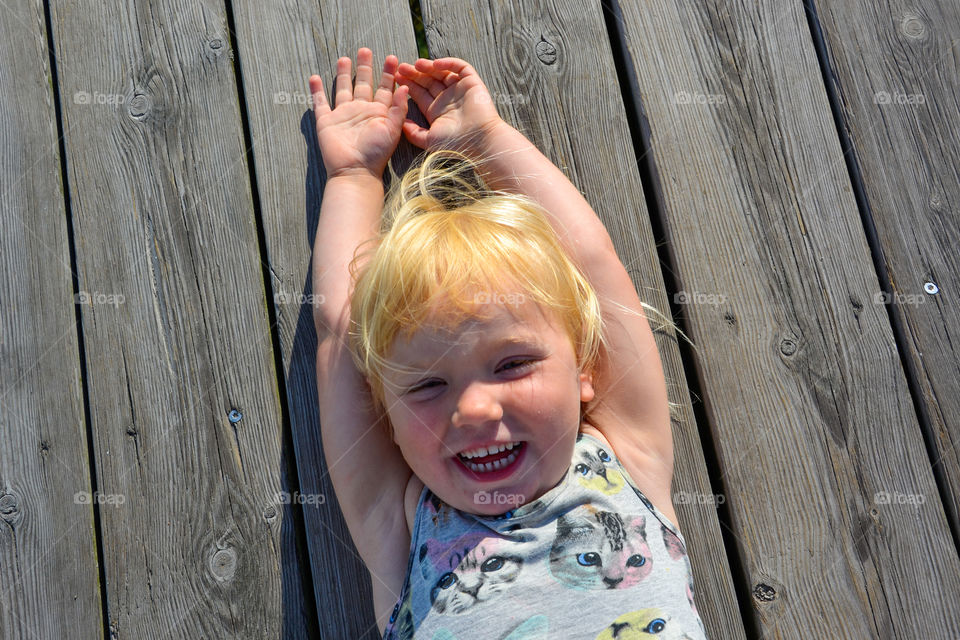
586	386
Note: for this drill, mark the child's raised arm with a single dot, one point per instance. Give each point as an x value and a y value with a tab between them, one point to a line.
631	408
368	472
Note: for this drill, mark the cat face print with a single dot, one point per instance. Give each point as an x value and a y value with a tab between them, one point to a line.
642	625
595	469
600	550
485	573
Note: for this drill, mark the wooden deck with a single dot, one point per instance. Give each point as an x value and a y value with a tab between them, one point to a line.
784	181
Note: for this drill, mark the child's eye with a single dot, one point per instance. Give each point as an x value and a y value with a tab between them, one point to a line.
423	386
517	364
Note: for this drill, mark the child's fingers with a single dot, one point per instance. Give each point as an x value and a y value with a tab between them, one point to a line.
363	88
454	65
416	134
424	78
318	96
398	108
421	97
445	77
344	87
385	92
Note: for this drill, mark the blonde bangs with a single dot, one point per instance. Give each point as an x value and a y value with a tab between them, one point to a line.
439	265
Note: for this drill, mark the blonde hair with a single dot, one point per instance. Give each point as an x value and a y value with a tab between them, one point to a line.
447	244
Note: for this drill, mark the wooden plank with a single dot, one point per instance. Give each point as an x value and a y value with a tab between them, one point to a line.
164	221
895	70
48	563
281	44
550	70
802	381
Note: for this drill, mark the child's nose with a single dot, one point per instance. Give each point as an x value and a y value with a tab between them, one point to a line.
477	404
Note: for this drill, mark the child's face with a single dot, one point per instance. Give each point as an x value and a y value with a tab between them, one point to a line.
509	376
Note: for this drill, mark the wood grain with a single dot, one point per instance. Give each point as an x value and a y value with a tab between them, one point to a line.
550	71
48	562
164	217
895	69
281	44
834	510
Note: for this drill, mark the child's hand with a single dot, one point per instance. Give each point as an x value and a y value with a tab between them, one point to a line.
362	131
453	98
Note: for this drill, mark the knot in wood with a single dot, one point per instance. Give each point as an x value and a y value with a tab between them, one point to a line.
139	106
764	592
216	44
546	52
913	26
223	564
270	513
788	347
10	508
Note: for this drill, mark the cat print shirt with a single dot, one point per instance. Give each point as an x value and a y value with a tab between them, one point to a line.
592	558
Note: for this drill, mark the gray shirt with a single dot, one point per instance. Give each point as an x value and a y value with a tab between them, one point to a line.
591	558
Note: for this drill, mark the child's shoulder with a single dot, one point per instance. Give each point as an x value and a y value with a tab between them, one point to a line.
591	431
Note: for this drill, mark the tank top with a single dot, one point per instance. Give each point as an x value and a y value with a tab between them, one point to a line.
591	558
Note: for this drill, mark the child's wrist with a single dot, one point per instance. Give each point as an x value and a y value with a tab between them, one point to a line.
354	173
495	152
490	136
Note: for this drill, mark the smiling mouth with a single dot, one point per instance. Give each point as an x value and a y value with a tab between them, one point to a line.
484	463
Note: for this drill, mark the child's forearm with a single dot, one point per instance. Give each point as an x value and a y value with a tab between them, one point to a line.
349	216
512	163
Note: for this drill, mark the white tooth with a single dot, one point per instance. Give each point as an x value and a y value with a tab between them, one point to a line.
488	467
492	449
510	446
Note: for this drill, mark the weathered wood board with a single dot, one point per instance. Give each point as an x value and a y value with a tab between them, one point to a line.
550	70
837	520
896	73
48	556
166	230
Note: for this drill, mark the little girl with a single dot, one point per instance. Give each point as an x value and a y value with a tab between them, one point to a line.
493	408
